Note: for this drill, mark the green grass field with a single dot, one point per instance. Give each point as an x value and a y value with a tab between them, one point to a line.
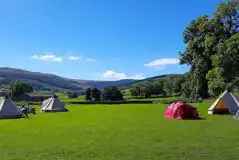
65	99
119	132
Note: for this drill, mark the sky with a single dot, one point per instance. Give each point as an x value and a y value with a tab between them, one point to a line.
97	39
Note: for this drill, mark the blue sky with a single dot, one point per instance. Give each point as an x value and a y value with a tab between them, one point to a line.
97	39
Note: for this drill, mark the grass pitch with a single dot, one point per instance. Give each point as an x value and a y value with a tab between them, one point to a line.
119	132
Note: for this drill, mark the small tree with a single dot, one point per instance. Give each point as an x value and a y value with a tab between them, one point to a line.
145	90
18	88
95	94
72	94
88	94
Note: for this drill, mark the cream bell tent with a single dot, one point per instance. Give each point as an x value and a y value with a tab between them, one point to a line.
8	109
226	103
237	114
53	104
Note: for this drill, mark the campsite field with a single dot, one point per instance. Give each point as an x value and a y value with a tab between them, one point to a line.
119	132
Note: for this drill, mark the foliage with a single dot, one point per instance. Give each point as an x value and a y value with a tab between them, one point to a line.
168	87
145	90
157	88
177	84
228	59
212	51
88	94
95	94
112	94
187	86
92	94
216	82
18	88
73	94
162	87
194	55
135	90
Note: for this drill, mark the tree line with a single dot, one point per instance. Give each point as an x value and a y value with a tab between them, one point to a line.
17	88
108	94
161	87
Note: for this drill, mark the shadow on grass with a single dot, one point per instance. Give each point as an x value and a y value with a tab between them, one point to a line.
201	118
14	118
56	111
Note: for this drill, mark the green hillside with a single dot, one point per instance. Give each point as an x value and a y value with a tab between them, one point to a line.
44	81
48	81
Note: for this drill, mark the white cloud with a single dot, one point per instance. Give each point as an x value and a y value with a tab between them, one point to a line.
91	60
162	62
111	75
73	58
114	75
48	57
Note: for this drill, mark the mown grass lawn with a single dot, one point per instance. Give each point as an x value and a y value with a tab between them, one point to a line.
65	99
119	132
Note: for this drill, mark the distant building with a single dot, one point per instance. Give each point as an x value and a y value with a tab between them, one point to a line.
34	97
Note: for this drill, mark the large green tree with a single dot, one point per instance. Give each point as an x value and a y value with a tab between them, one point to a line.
208	44
196	55
225	73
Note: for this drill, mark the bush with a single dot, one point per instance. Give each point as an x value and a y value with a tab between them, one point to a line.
112	94
73	94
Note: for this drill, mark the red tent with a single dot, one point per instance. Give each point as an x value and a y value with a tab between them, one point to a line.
180	110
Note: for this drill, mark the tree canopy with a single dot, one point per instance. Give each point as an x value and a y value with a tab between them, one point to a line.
212	51
88	94
112	94
18	88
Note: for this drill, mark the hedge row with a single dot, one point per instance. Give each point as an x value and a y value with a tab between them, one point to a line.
116	102
133	102
113	102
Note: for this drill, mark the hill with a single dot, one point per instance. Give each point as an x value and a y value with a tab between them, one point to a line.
43	81
160	77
